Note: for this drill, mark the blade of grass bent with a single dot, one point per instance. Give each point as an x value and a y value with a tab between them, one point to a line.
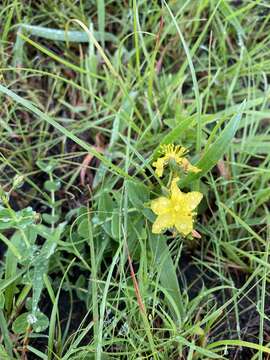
239	343
68	36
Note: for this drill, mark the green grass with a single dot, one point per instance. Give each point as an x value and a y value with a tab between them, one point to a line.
81	274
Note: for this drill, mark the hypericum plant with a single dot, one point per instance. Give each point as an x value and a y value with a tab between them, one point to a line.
177	209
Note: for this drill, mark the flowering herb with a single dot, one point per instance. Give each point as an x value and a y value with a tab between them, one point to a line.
175	211
178	209
173	153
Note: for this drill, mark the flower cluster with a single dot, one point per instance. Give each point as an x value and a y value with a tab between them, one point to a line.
176	210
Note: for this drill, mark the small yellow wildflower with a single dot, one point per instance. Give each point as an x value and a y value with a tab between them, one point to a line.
176	153
176	211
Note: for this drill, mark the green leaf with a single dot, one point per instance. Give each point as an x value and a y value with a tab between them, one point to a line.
166	269
5	335
10	218
4	284
52	185
6	218
138	194
80	285
41	263
229	249
106	207
17	181
206	354
20	324
47	167
50	219
3	354
148	214
40	268
116	226
218	345
2	301
18	51
217	149
10	246
11	268
83	228
101	19
26	252
25	217
68	36
135	231
39	354
38	322
41	323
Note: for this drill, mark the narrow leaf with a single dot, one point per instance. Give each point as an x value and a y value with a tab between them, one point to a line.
69	36
217	149
166	268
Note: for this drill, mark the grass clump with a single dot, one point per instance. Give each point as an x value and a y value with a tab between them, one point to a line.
89	95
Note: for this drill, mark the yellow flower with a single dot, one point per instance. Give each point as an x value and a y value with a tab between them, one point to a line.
188	167
176	211
176	153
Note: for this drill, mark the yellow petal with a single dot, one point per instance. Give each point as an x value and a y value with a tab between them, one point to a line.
194	169
163	222
188	167
161	205
192	200
184	224
159	165
176	193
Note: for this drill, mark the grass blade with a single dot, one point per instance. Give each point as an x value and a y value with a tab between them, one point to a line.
239	343
166	268
68	36
217	149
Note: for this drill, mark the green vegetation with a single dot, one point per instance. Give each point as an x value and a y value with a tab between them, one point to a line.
89	90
